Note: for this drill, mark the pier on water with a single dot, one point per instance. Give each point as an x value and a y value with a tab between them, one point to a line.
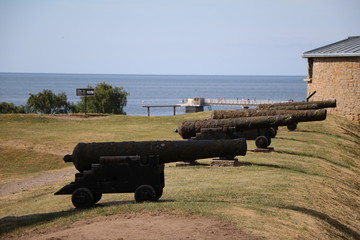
197	104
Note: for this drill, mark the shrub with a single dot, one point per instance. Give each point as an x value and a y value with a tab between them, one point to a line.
107	99
11	108
47	102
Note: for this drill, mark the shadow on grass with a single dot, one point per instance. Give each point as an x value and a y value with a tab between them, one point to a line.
277	166
337	136
350	133
114	203
308	131
314	156
333	222
11	223
290	139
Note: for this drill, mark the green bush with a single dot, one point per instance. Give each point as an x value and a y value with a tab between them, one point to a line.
107	99
47	102
11	108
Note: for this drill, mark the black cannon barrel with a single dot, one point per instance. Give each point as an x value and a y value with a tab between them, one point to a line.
85	154
299	105
188	129
297	115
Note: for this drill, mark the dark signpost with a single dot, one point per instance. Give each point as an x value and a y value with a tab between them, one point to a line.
85	92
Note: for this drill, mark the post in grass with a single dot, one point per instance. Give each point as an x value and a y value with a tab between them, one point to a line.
85	92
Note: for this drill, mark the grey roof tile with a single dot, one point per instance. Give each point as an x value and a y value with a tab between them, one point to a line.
349	47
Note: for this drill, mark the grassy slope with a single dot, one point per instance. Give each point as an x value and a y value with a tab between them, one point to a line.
308	188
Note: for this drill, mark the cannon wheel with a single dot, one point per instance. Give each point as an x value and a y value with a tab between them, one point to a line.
292	126
262	142
145	193
82	198
97	197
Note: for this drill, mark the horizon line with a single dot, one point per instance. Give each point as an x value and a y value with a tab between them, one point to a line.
153	74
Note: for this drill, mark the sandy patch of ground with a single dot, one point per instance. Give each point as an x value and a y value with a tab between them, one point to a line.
37	181
136	226
74	117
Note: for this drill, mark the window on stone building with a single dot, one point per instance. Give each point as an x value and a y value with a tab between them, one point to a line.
310	67
310	70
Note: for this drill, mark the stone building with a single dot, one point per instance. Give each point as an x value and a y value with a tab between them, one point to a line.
334	73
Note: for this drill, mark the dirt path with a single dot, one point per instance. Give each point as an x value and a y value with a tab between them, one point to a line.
37	181
75	117
137	226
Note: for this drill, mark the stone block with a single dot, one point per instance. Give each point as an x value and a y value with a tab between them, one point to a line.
224	163
186	164
264	150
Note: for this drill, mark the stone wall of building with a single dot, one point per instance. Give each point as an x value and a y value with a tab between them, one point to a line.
337	78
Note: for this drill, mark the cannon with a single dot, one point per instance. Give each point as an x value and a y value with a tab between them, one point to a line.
299	105
135	167
261	129
297	115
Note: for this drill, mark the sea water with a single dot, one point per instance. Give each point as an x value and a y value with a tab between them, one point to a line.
156	89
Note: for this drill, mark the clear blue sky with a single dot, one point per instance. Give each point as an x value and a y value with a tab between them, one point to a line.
221	37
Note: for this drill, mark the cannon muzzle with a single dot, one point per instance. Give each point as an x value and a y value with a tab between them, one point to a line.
68	158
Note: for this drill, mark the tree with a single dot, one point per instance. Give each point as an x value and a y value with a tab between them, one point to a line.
11	108
47	102
107	99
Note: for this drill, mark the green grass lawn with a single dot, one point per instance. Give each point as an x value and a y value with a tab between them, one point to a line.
308	188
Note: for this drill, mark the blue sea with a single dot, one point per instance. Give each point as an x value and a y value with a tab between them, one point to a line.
156	89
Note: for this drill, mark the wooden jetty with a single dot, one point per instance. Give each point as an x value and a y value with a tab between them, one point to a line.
197	104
